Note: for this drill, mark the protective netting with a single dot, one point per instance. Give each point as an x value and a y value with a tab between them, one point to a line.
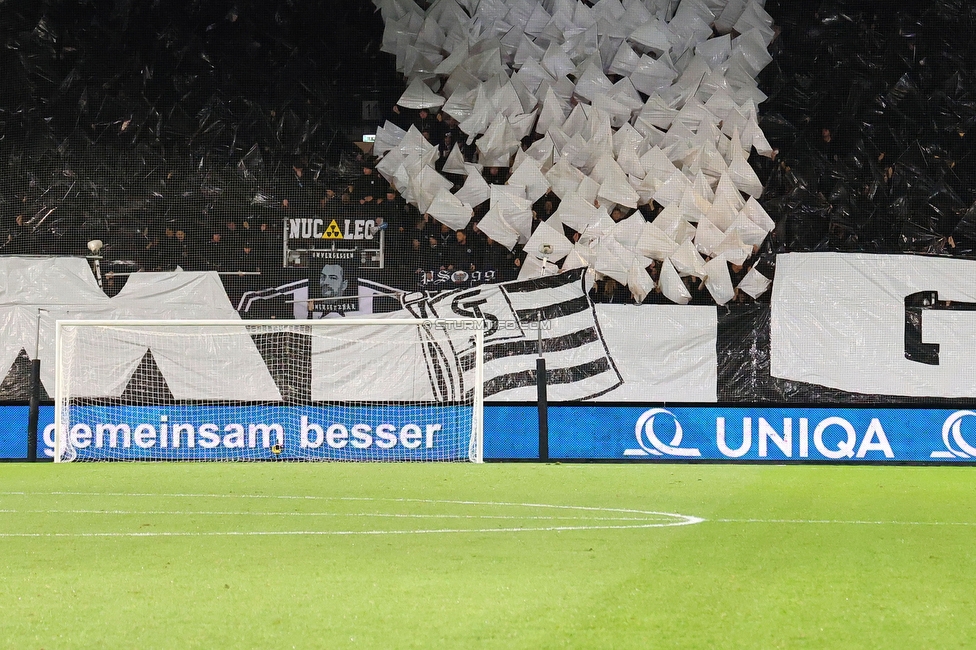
203	137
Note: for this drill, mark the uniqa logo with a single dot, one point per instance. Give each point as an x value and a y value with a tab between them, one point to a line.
651	445
953	428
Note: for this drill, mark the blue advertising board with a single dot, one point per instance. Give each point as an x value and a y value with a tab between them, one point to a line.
373	433
577	432
835	435
13	431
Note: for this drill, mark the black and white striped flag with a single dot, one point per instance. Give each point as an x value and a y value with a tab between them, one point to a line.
552	314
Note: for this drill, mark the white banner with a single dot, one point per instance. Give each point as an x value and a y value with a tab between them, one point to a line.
37	292
593	352
900	325
665	353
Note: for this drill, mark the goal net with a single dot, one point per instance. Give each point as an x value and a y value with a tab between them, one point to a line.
327	389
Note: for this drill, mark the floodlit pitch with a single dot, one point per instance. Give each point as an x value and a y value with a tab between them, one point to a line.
177	555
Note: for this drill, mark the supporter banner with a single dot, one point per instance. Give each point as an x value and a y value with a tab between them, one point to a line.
840	435
314	232
333	286
442	279
551	314
311	240
592	352
900	325
290	299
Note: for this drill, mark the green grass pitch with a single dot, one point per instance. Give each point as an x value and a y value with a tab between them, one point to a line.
225	555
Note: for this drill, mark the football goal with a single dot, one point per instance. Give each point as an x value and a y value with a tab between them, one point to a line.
333	389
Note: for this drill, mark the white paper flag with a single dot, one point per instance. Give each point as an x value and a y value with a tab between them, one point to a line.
718	281
450	211
672	286
419	95
754	284
549	243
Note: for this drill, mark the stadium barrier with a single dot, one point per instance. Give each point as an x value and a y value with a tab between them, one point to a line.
621	433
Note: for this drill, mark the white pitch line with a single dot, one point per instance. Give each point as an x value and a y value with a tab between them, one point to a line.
381	515
299	533
851	522
312	514
320	498
373	499
682	519
644	519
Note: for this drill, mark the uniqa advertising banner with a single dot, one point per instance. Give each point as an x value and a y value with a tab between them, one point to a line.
762	434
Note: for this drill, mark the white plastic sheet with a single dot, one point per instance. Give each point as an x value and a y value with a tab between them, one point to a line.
531	178
475	190
548	243
563	51
687	261
534	267
419	95
672	286
718	281
194	367
455	163
450	211
754	284
639	281
498	229
677	360
655	243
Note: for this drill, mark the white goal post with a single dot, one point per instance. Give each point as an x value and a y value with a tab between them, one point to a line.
331	389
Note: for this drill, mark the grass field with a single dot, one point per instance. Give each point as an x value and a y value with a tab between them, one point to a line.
288	555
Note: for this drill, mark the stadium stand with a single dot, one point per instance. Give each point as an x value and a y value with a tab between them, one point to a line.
191	139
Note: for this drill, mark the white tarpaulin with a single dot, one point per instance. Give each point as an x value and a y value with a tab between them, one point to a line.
851	321
593	352
32	288
677	359
228	367
381	364
606	352
203	364
41	282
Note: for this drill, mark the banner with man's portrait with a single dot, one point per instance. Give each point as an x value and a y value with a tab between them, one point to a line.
333	284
